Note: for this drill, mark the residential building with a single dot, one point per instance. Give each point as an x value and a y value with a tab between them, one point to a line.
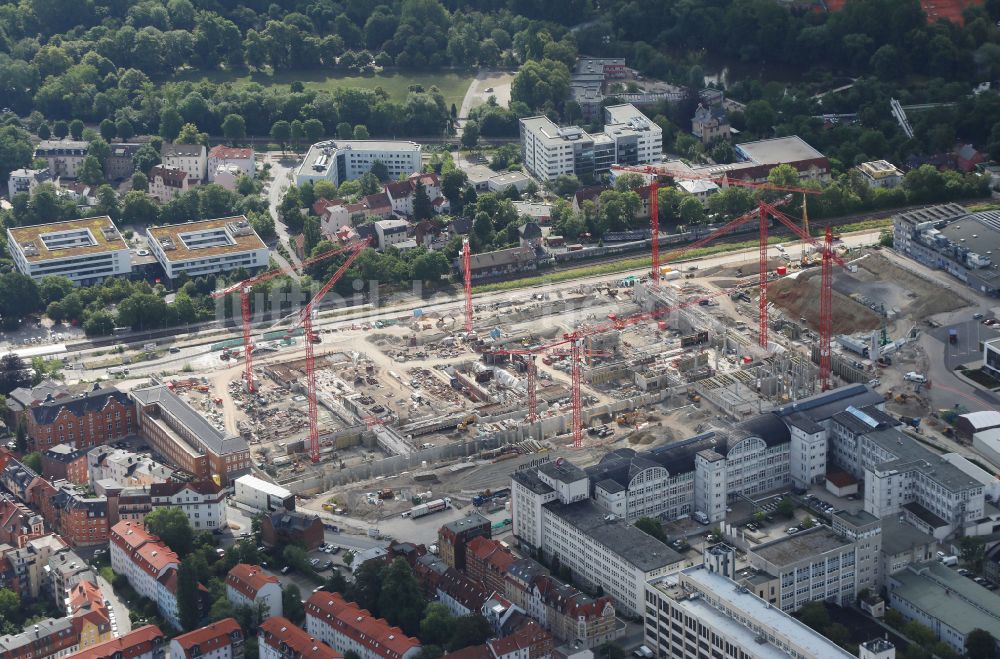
220	640
224	156
90	614
552	511
125	467
402	193
67	573
529	234
65	462
699	612
30	565
168	183
967	157
26	180
87	251
710	123
186	439
62	157
81	519
249	585
283	527
95	417
18	523
203	501
189	157
226	176
119	165
881	174
502	182
391	233
22	398
812	565
629	138
941	599
345	160
487	562
278	638
454	536
699	189
462	595
949	238
376	206
207	246
255	494
333	216
46	638
146	642
148	564
501	263
345	626
528	641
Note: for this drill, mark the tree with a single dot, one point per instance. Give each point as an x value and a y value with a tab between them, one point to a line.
423	209
21	435
361	132
44	132
108	130
90	171
311	234
33	461
76	129
629	181
380	171
786	508
170	123
760	117
291	604
470	135
650	526
124	130
344	130
314	129
469	630
815	615
15	149
335	583
234	128
14	373
99	324
60	129
189	135
145	158
18	298
188	608
541	83
980	643
838	633
10	605
972	552
400	599
885	238
140	182
281	132
565	185
438	624
691	211
172	526
297	131
107	202
139	208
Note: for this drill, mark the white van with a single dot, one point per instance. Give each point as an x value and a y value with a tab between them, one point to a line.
913	376
700	517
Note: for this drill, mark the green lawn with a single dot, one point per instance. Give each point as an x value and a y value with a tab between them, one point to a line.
452	84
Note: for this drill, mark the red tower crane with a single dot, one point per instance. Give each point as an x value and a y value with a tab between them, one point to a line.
467	277
529	361
305	321
826	311
245	287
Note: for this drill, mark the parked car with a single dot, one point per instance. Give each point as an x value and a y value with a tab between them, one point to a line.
792	531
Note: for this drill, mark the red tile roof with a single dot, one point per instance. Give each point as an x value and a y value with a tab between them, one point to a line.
214	636
173	178
134	644
86	595
348	619
131	535
170	488
157	555
248	579
527	635
229	153
399	189
492	552
277	630
472	652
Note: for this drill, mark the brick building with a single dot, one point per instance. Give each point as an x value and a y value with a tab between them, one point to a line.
66	462
45	638
453	536
487	561
18	523
97	416
283	527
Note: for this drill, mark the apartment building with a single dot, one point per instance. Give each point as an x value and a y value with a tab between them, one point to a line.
393	233
203	501
62	157
487	561
258	495
29	565
207	246
26	180
87	250
168	183
64	462
124	467
700	612
287	526
119	165
94	417
454	536
249	585
146	642
881	174
186	439
345	160
90	614
552	512
402	193
463	596
18	523
344	626
278	638
52	637
70	510
226	157
223	639
69	574
148	564
191	158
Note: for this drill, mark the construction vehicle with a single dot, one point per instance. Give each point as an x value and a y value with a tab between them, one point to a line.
626	418
386	494
466	422
488	496
693	396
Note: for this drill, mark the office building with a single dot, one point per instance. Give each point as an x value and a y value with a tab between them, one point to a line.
207	246
87	251
257	495
249	585
94	417
190	158
62	157
26	180
219	640
950	238
903	545
345	160
346	627
941	599
146	642
699	612
186	439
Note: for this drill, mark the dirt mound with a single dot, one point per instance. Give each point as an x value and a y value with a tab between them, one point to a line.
799	298
918	298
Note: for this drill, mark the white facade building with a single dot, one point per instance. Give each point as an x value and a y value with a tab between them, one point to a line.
345	627
189	157
222	639
63	157
391	233
26	180
168	183
230	157
87	251
148	564
345	160
204	502
207	246
256	494
249	585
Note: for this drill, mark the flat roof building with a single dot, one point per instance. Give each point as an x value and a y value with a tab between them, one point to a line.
87	250
345	160
207	246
